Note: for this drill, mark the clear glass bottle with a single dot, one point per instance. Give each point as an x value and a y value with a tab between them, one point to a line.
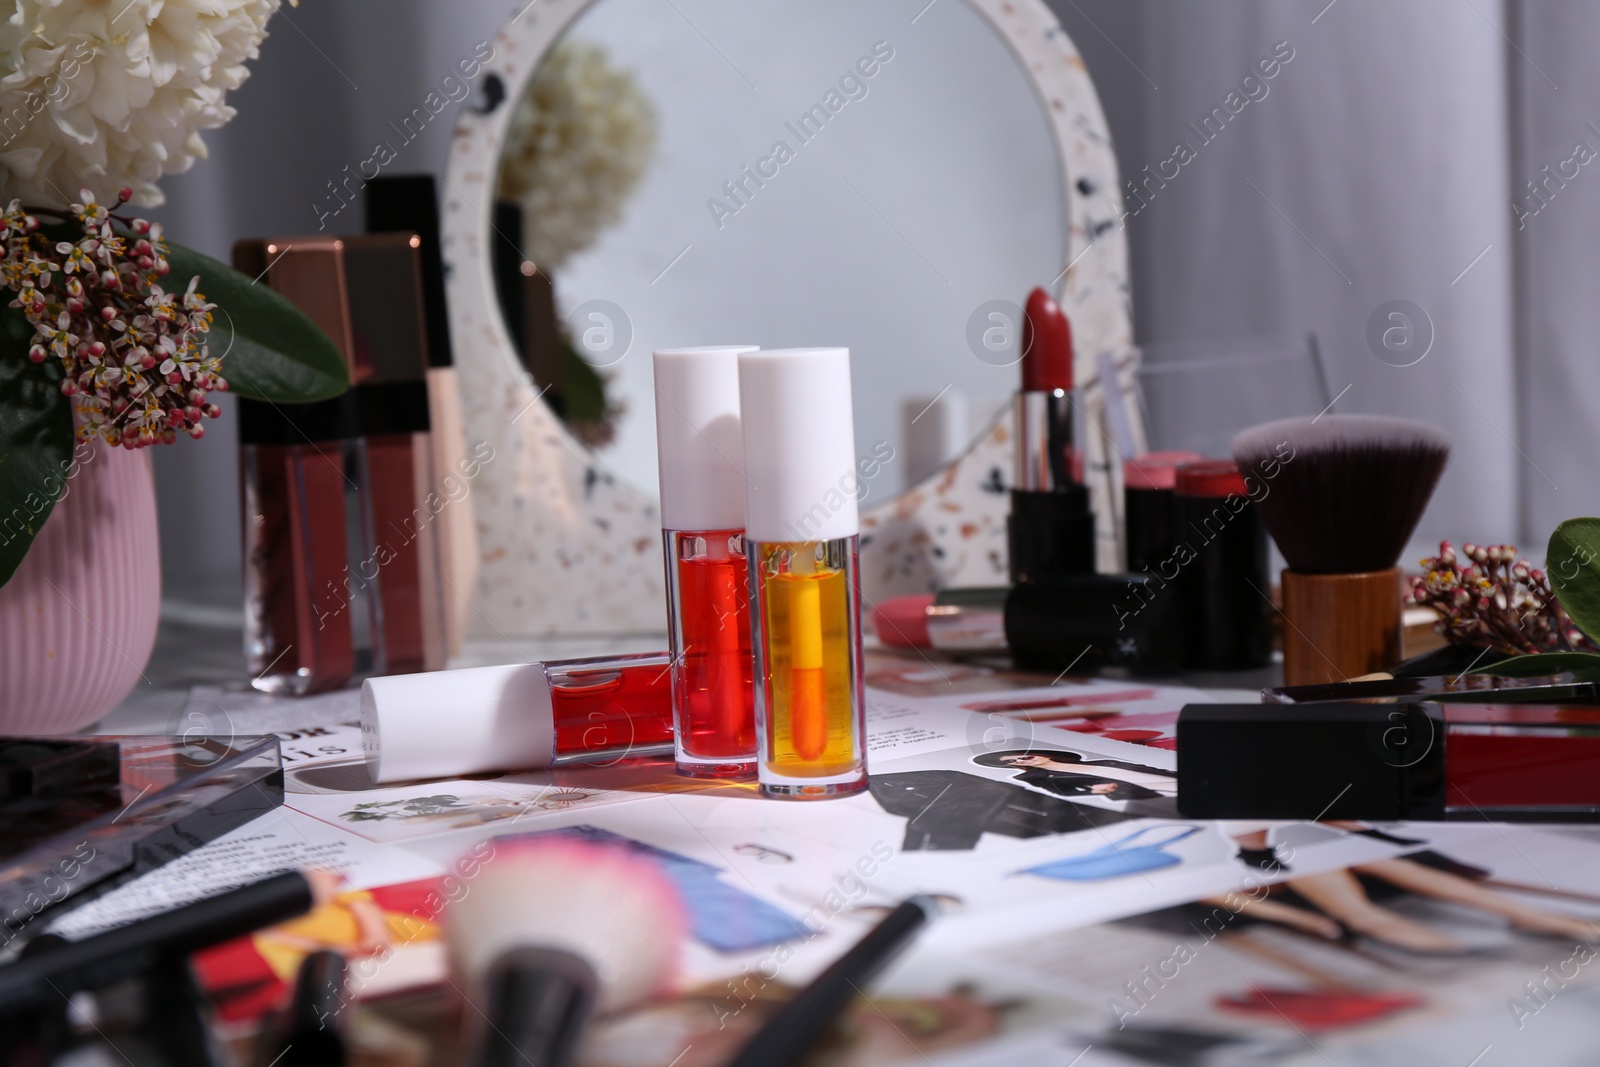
809	708
713	696
802	539
700	450
298	633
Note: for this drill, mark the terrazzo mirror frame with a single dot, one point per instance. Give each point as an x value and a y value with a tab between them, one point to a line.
568	549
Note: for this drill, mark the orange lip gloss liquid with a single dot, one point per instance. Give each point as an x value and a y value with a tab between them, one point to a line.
700	451
801	526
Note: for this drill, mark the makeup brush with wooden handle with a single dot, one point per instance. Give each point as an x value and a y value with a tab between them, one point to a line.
1341	496
551	932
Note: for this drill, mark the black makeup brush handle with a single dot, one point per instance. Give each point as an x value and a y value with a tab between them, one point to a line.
313	1035
787	1036
538	1001
67	967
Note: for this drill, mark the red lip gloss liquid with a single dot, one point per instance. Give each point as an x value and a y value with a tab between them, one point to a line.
700	447
712	686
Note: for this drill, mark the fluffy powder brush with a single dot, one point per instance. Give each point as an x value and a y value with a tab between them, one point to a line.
1341	495
552	931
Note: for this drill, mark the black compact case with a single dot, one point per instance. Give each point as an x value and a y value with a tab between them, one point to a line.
80	815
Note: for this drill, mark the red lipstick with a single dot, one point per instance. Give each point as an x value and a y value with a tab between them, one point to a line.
1051	529
1046	345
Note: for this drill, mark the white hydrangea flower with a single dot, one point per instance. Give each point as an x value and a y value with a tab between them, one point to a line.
114	93
578	144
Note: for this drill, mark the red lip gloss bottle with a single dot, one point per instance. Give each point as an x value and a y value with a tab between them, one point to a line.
1348	760
522	717
700	448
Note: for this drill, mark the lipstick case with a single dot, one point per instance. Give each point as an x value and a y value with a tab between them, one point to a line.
1051	529
1389	761
1150	502
1078	622
1220	569
802	541
446	724
700	449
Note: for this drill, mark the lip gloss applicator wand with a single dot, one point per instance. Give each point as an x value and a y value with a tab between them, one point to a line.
801	537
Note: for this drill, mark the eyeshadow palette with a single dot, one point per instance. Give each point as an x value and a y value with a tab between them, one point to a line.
79	816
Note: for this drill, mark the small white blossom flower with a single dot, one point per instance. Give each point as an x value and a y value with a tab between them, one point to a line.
578	144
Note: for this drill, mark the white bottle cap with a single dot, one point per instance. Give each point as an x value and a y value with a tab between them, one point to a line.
446	724
801	481
699	447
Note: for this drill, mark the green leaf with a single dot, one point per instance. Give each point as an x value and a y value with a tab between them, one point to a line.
273	351
35	441
1573	564
1585	665
582	389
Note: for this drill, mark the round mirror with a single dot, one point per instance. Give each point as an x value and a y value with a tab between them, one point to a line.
894	178
779	173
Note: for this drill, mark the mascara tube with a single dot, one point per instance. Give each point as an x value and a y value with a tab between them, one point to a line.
700	448
801	537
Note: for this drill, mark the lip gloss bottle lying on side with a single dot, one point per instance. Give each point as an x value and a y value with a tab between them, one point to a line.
700	451
522	717
801	536
1390	761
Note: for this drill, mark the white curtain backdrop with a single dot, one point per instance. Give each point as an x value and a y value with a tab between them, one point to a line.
1380	166
1556	89
1374	169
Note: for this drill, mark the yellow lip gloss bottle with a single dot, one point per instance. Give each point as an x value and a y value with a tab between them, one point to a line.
802	487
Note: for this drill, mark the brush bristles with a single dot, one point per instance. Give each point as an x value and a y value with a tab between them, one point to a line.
1343	493
613	908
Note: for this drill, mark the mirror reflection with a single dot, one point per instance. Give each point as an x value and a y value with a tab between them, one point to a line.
775	174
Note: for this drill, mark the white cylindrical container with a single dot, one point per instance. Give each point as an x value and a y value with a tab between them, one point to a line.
936	430
802	484
700	448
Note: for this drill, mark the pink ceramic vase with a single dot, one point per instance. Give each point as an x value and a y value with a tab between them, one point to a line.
78	619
